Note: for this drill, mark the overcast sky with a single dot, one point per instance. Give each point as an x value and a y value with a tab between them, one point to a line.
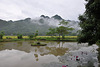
20	9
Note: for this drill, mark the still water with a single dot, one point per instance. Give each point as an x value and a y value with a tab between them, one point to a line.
55	54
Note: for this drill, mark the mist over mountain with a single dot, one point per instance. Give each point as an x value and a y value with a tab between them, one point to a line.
29	26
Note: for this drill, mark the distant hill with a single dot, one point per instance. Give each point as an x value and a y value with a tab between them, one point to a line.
29	26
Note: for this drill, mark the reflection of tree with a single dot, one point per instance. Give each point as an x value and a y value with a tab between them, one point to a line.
60	44
19	44
55	51
53	48
16	45
36	56
1	46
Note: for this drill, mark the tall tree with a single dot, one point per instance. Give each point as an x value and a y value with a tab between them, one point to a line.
90	23
62	31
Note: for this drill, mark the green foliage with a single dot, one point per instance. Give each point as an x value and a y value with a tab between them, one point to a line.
52	32
31	36
1	35
36	34
19	36
61	30
90	23
8	38
98	43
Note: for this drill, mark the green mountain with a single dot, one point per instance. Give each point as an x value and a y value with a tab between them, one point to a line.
29	26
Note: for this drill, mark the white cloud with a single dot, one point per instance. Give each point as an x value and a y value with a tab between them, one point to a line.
20	9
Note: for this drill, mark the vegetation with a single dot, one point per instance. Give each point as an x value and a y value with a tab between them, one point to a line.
19	36
54	38
98	43
31	36
90	23
36	34
1	35
52	32
61	30
27	26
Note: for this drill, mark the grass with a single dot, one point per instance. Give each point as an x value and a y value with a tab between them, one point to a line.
49	38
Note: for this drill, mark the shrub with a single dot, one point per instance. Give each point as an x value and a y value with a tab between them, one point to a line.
1	35
98	42
31	36
19	36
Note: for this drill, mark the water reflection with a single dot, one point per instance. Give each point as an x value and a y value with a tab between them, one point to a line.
99	56
22	54
54	48
36	56
1	46
84	57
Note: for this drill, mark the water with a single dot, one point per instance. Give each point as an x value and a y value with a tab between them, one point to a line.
55	54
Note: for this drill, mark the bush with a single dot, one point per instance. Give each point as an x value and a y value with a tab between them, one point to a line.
19	36
1	35
8	38
98	42
31	36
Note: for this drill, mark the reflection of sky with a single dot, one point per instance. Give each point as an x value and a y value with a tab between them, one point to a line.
15	58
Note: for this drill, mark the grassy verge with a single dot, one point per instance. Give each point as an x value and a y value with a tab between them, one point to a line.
48	38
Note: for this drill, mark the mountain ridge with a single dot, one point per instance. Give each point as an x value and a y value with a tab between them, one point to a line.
28	26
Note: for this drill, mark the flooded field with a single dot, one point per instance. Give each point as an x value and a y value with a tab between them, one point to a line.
55	54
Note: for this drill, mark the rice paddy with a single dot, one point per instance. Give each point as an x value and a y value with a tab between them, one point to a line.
48	38
26	37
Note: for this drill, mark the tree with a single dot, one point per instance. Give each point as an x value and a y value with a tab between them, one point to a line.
62	31
52	32
36	34
90	23
1	35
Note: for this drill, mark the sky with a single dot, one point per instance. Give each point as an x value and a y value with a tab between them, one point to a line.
21	9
